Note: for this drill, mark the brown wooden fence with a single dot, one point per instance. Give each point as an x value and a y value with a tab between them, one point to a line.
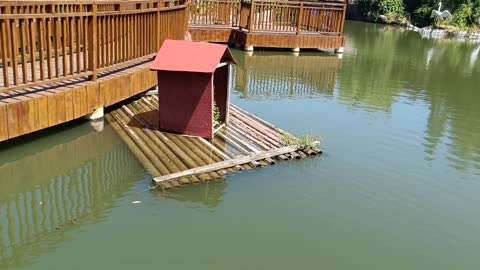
325	17
43	42
277	16
215	12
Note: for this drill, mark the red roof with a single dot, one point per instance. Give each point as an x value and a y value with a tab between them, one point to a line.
188	56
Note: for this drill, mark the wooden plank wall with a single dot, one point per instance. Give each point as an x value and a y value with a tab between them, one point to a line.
35	111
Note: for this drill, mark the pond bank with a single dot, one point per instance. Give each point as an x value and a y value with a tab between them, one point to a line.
354	14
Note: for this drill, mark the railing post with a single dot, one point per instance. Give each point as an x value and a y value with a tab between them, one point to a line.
344	14
92	43
157	29
251	21
299	19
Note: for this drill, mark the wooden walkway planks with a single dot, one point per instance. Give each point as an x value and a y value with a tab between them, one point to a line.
173	159
35	108
51	54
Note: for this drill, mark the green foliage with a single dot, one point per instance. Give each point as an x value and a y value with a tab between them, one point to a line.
375	8
465	12
307	140
422	16
463	16
216	115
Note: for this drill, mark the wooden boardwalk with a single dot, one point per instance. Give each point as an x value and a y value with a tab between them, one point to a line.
247	142
61	60
35	108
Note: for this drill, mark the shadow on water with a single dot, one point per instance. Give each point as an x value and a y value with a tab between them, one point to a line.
47	193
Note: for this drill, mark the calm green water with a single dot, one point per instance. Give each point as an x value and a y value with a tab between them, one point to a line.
397	188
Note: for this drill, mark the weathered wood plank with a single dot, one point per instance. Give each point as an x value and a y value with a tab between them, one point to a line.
3	123
12	120
227	163
69	105
61	110
93	97
42	107
52	110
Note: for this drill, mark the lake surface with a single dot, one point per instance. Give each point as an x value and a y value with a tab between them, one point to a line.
398	186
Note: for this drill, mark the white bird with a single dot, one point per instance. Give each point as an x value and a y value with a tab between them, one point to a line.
441	14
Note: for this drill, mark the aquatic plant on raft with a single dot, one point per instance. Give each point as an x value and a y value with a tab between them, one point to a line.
306	141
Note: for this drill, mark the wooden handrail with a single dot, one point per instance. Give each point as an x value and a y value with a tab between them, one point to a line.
306	18
42	42
294	17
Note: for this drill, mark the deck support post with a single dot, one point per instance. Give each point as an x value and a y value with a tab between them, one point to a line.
98	113
339	50
248	48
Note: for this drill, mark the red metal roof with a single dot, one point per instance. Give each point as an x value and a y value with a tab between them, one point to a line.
188	56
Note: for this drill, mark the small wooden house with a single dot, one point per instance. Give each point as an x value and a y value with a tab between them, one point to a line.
192	78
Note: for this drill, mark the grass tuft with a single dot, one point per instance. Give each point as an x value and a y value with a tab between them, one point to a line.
307	140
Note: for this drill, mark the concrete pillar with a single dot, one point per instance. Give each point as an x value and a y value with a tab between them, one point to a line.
96	114
296	50
339	50
248	48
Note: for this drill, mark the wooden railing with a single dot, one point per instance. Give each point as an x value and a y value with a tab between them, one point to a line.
42	42
298	17
325	17
215	12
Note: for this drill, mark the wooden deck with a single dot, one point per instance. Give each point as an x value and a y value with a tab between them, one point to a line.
35	108
247	142
273	24
62	60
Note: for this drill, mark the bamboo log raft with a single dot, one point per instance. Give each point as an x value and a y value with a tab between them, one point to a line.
174	160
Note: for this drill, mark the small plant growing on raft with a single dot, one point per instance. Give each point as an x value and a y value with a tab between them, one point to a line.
216	116
305	141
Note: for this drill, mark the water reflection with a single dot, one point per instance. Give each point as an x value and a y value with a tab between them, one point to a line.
205	195
279	75
46	193
384	66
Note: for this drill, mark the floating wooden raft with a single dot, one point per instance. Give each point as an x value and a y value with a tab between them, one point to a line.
173	160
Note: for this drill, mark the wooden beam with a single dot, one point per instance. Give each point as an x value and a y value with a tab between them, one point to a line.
227	163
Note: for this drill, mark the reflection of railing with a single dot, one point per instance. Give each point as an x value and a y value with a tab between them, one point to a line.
48	41
278	76
325	17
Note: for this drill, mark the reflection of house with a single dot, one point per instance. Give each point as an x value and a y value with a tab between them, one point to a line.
264	75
